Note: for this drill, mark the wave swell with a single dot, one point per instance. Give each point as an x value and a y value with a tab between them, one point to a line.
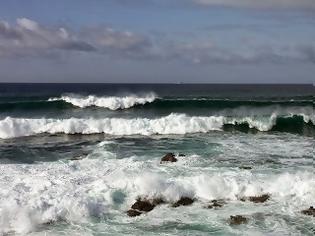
171	124
112	102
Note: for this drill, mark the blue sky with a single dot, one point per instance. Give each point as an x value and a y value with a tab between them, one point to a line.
212	41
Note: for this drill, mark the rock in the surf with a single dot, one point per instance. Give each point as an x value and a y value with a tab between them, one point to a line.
310	211
245	167
169	157
143	205
216	204
133	213
257	199
237	220
183	201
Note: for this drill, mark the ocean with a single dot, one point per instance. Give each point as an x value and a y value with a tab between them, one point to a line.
74	158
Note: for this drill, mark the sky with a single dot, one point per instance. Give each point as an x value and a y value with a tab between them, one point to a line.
157	41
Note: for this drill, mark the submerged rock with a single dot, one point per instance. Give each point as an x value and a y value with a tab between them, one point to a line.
183	201
237	220
133	213
169	157
216	204
256	199
310	211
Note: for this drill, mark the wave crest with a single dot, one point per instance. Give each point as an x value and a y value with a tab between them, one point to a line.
110	102
171	124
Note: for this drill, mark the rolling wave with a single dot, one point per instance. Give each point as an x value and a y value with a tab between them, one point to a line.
112	102
168	125
146	101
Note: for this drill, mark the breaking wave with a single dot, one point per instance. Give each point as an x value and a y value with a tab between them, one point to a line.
171	124
110	102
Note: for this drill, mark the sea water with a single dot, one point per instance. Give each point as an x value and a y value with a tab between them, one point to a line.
75	157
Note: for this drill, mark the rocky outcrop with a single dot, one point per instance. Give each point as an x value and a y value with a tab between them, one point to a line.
183	201
237	220
144	205
310	211
169	157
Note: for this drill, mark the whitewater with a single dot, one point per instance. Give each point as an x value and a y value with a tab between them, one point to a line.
110	102
75	158
172	124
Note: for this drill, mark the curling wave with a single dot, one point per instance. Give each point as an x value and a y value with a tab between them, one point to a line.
110	102
171	124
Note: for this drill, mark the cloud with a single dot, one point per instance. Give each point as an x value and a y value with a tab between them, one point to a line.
207	53
29	38
118	43
279	4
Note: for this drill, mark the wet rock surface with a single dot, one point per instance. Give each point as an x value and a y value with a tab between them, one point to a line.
237	220
183	201
169	157
310	211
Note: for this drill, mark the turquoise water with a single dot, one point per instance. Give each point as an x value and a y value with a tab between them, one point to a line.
76	170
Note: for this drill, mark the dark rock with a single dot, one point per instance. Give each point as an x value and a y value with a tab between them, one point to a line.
181	155
259	199
143	205
216	204
237	220
183	201
310	211
256	199
245	167
133	213
169	157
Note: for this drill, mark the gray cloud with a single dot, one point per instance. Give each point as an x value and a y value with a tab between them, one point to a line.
29	38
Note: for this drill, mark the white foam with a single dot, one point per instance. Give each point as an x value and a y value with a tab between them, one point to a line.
171	124
36	194
110	102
